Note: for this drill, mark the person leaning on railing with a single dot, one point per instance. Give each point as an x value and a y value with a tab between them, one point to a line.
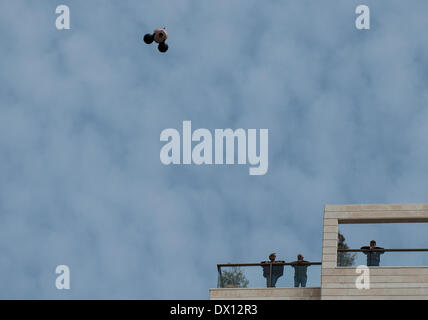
300	271
373	254
277	270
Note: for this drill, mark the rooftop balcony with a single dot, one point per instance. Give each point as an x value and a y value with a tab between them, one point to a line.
335	281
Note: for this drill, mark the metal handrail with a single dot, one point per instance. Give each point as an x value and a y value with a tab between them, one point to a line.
219	266
262	264
383	250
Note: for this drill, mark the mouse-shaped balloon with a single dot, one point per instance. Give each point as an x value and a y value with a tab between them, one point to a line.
159	36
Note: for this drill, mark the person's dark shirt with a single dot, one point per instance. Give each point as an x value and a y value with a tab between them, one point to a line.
373	257
277	270
300	268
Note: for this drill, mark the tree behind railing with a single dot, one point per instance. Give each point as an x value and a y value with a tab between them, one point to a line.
233	279
344	259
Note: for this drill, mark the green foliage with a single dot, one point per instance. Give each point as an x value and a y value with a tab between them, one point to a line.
344	259
234	278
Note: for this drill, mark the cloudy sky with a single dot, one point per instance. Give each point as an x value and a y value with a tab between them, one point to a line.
81	112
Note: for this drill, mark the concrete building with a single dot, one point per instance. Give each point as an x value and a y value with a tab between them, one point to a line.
337	283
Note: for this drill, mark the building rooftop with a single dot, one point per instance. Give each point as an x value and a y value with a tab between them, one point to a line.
352	282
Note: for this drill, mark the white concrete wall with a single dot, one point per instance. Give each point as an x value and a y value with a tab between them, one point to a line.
310	293
386	282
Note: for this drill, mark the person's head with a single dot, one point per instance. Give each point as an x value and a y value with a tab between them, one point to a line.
372	243
272	257
299	257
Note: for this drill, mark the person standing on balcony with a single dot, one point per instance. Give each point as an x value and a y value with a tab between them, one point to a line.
300	271
373	254
277	270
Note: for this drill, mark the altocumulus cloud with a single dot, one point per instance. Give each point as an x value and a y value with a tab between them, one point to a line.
81	112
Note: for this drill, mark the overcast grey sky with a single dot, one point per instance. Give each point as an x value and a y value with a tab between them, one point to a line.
81	112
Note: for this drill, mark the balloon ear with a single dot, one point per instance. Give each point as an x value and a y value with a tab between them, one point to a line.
163	47
148	38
